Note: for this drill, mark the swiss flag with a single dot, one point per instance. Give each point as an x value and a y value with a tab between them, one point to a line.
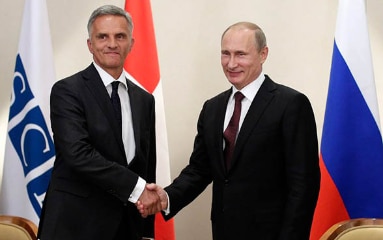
142	66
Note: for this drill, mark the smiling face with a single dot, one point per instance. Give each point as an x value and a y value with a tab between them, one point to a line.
241	59
110	42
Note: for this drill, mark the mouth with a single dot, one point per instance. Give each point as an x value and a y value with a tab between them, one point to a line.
234	74
112	53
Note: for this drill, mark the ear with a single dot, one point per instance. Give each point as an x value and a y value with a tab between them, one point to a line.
131	44
90	47
264	53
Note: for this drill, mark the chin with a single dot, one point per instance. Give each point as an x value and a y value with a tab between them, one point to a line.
235	81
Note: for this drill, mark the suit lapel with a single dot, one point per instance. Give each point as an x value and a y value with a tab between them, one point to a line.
95	85
257	107
135	107
221	111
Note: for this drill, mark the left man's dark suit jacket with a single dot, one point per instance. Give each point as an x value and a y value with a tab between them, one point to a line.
271	189
91	181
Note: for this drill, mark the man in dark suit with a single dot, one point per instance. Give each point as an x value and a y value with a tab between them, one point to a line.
105	156
269	186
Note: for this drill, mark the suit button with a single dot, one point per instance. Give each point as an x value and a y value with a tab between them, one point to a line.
226	181
111	191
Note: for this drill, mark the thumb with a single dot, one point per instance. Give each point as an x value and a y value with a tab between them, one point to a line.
151	187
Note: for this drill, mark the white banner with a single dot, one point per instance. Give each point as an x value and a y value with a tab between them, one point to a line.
29	150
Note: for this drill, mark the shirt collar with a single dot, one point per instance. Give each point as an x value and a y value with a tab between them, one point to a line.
107	78
252	88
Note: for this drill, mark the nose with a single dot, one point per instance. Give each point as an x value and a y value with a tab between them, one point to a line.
112	43
232	63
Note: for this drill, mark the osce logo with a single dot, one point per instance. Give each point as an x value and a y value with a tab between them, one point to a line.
30	138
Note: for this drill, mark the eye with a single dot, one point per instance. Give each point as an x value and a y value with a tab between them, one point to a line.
121	36
101	36
225	53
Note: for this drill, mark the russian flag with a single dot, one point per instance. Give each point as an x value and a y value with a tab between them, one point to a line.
142	67
351	148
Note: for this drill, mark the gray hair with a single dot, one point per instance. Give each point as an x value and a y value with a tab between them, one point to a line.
260	38
110	10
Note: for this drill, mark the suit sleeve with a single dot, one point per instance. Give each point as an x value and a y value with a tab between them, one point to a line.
302	168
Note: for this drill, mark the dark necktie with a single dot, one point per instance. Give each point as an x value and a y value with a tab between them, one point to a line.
230	133
115	99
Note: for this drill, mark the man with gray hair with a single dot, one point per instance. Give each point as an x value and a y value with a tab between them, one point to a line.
104	135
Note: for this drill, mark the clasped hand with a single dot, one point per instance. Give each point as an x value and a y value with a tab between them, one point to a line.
152	200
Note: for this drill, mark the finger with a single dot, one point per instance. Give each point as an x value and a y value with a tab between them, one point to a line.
151	186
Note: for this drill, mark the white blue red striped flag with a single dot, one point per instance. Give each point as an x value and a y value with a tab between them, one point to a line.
351	146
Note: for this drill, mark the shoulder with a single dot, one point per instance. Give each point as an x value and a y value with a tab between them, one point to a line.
282	91
76	83
86	73
219	98
134	88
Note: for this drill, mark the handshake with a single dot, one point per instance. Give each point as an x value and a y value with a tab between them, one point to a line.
152	200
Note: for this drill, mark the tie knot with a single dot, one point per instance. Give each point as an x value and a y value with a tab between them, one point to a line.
115	85
238	96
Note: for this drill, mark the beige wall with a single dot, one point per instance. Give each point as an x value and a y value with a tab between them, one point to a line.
300	38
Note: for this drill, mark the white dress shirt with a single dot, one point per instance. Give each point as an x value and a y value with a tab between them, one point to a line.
127	125
249	92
